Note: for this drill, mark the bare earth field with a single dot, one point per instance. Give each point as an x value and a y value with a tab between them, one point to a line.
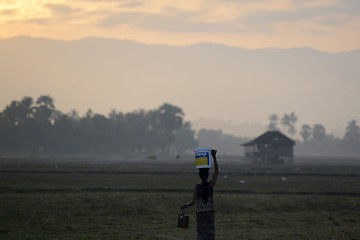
109	198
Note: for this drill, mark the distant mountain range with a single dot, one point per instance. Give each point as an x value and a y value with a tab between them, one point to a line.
208	81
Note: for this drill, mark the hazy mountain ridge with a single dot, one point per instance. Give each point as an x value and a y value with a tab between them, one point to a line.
242	85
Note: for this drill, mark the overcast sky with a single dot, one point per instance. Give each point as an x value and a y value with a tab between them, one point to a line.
325	25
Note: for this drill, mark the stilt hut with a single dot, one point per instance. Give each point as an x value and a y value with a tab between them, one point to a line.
271	147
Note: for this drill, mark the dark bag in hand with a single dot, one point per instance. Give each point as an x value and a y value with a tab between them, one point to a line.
183	220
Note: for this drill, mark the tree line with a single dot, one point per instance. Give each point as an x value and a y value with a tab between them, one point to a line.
29	126
315	139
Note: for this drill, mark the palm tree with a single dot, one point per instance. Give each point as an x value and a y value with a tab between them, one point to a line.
273	118
288	122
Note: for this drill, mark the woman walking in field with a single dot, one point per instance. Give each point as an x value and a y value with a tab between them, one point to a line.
203	196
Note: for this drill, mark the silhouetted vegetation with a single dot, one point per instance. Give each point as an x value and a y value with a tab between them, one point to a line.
315	139
34	127
37	127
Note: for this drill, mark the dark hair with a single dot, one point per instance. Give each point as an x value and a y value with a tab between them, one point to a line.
204	174
204	186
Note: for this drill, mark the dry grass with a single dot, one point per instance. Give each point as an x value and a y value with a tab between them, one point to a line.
124	200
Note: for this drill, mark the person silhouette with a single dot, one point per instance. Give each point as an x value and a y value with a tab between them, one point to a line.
203	196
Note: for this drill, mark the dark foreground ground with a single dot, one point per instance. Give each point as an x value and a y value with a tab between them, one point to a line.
102	198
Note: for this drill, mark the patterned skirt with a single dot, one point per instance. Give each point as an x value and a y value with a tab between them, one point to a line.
205	225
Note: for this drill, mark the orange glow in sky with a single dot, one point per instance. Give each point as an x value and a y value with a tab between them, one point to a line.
325	25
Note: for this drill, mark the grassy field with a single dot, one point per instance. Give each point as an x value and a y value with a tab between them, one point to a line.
88	198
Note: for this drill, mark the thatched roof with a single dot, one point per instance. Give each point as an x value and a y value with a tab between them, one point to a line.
273	138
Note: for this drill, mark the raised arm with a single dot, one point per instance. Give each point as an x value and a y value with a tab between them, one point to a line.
192	202
214	177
